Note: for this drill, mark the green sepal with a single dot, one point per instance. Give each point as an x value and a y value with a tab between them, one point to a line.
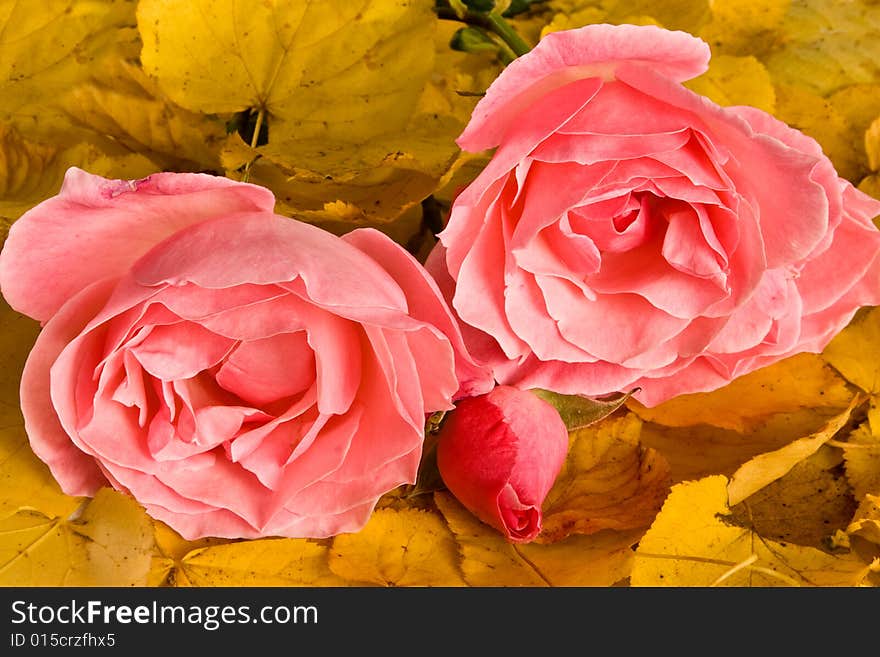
472	39
579	411
428	479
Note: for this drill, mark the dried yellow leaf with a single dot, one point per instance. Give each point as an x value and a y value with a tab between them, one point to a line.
736	81
806	506
692	544
825	45
866	521
127	106
855	351
398	547
262	562
108	544
687	15
703	450
744	27
488	559
765	468
822	120
25	481
330	69
872	144
45	44
861	453
608	481
168	554
799	382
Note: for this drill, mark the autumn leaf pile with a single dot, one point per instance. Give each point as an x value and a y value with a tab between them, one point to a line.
348	112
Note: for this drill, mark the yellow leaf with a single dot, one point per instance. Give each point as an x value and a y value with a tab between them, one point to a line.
703	450
861	454
736	81
859	105
826	45
608	481
799	382
600	559
49	46
687	15
691	543
167	566
26	169
126	105
454	72
574	18
398	547
32	171
871	186
329	69
262	562
25	481
866	521
855	351
770	466
743	27
806	506
822	120
109	544
872	144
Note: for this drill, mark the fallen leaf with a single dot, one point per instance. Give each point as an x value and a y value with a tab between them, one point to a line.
734	80
855	351
861	453
48	47
703	450
108	544
169	552
800	382
261	562
744	27
823	120
25	481
330	69
601	559
608	481
825	45
765	468
866	520
691	543
806	506
405	547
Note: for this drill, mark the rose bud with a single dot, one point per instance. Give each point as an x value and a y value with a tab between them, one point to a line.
499	454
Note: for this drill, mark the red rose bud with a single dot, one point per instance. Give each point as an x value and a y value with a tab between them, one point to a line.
499	454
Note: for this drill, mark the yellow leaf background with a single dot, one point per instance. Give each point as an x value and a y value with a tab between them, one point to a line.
348	112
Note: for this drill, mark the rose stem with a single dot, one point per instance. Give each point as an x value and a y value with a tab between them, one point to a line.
254	139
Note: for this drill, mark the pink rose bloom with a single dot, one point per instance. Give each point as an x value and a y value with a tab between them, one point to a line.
629	232
499	454
239	373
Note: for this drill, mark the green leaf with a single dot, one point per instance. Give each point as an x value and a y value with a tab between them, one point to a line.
578	411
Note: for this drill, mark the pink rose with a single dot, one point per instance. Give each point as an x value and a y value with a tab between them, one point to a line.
499	454
239	373
630	233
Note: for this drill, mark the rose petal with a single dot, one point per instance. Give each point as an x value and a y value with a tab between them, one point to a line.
181	351
111	223
425	303
263	371
560	57
271	249
75	470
